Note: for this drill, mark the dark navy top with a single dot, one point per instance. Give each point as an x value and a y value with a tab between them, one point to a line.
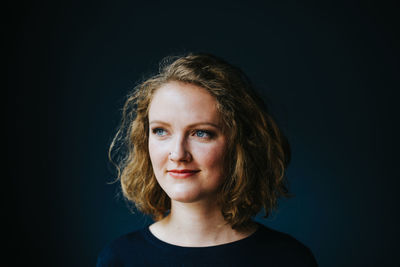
265	247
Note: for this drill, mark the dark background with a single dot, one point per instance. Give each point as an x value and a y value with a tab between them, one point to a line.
329	71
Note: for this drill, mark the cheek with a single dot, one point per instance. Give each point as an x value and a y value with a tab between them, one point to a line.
157	154
212	157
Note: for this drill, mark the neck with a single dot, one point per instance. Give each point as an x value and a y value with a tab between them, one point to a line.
196	225
196	218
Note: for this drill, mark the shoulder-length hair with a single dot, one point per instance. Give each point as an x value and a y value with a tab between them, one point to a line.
258	151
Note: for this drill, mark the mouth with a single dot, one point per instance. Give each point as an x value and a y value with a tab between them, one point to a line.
182	174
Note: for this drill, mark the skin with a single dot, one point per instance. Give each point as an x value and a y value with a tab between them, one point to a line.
187	149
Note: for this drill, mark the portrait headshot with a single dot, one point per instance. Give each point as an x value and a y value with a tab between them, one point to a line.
225	133
202	156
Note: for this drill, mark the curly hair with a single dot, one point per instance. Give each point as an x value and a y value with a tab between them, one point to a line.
260	152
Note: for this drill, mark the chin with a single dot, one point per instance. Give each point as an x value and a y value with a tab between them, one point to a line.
184	198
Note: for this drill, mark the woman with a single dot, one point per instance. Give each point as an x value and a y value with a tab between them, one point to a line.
203	157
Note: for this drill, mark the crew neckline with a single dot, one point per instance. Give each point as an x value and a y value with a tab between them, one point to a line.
149	236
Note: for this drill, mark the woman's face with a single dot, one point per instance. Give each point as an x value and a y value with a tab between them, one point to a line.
186	143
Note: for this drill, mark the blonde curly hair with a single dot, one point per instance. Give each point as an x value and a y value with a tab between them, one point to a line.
260	152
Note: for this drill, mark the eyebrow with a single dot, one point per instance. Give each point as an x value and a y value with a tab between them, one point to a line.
189	126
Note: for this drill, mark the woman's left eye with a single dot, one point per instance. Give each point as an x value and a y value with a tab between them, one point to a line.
202	134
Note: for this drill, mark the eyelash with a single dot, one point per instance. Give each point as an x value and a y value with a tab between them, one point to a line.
209	134
156	130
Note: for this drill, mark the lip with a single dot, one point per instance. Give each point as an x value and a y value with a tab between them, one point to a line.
182	174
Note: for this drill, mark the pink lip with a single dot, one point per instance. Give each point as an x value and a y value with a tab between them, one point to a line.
182	174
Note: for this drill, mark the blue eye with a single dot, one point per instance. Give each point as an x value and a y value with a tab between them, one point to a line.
159	132
203	134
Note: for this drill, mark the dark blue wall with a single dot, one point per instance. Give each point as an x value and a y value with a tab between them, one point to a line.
328	70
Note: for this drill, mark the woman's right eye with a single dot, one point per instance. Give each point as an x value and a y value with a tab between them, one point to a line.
159	132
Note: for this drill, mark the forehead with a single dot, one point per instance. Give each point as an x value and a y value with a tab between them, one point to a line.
183	102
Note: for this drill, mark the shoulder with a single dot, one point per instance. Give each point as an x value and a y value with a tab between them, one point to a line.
128	246
282	247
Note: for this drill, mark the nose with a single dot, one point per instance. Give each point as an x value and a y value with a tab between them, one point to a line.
179	151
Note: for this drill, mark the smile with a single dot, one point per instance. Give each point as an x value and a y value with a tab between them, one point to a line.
182	174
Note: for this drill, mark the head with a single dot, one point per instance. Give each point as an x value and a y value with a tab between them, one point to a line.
254	153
